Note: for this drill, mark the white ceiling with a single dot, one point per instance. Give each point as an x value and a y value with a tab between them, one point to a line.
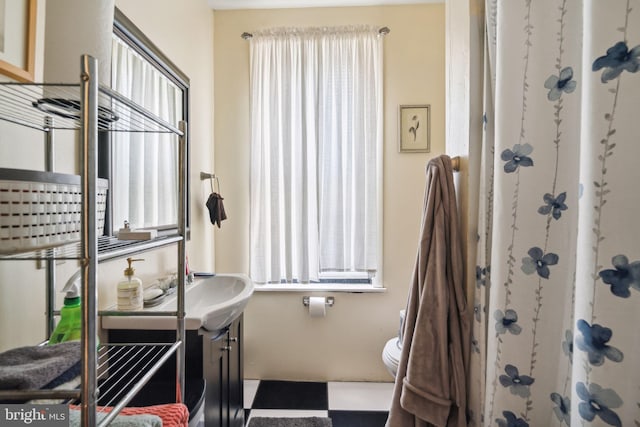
283	4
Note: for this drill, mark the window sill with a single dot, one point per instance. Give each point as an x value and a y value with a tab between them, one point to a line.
323	287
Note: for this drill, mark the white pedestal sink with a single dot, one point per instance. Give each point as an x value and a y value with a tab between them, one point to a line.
211	303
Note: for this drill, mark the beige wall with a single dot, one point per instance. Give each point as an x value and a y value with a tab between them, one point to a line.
21	319
29	152
184	32
282	341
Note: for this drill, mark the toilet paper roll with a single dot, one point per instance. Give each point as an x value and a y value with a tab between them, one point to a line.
317	306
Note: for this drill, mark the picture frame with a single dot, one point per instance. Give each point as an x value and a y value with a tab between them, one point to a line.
414	128
18	39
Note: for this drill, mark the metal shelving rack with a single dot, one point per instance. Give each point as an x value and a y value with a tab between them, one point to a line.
34	106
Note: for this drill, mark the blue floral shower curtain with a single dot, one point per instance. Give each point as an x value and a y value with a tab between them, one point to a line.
557	302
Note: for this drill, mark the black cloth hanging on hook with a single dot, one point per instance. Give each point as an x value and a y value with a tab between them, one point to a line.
216	209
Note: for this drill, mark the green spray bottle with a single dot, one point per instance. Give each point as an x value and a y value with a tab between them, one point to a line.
70	326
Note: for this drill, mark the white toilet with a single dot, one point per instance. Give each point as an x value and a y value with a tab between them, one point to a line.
391	355
393	348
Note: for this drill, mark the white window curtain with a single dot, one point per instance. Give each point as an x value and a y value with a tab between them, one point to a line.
144	175
316	138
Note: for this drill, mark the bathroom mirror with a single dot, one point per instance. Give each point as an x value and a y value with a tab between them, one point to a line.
142	168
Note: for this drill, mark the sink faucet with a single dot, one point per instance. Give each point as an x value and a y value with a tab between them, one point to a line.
169	283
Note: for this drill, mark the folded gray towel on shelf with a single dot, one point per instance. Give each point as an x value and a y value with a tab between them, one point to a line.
68	375
69	385
68	380
31	368
141	420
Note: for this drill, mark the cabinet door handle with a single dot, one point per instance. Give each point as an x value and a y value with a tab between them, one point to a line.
225	348
233	339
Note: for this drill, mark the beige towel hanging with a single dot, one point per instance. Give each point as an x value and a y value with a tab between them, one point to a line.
430	387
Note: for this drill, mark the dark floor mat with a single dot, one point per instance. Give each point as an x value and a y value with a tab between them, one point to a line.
290	422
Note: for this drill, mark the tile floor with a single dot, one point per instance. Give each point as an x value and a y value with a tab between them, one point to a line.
348	404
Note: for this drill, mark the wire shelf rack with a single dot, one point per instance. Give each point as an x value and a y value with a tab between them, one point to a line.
108	248
44	106
123	370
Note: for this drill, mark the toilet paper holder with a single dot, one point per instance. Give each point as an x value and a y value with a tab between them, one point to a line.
329	301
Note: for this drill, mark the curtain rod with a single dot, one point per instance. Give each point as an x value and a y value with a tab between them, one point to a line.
382	31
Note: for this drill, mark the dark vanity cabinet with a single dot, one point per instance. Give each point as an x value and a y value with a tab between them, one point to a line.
222	366
236	375
213	371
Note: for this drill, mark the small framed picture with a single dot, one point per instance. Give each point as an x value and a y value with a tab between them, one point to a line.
415	128
18	39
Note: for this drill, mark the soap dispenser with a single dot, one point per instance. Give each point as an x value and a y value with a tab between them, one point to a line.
130	289
70	326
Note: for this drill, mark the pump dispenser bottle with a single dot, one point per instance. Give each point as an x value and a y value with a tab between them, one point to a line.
130	289
70	326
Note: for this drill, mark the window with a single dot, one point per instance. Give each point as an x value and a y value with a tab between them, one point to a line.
143	167
316	140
